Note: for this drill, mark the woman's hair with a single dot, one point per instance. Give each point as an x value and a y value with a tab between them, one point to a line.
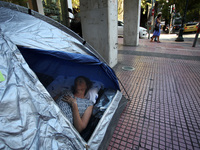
88	84
159	15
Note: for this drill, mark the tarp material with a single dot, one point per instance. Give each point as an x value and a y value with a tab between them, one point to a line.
29	117
72	64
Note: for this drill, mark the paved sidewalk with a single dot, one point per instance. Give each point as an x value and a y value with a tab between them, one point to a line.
164	89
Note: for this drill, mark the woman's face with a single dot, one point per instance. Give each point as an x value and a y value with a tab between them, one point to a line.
81	84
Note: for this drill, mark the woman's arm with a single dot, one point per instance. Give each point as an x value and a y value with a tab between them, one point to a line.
79	123
158	20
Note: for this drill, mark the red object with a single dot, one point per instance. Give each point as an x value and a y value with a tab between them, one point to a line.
152	12
198	26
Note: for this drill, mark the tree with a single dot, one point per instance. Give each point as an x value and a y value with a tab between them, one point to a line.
76	5
18	2
120	9
193	9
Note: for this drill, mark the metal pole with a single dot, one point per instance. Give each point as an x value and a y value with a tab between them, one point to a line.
170	22
196	37
180	35
152	7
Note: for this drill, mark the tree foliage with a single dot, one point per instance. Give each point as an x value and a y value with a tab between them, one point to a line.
18	2
193	9
120	6
120	9
76	4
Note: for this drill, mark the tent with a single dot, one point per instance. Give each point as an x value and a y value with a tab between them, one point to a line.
35	52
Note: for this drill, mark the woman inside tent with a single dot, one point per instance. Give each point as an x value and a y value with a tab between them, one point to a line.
75	106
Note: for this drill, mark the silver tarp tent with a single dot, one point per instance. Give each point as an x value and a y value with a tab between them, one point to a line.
29	117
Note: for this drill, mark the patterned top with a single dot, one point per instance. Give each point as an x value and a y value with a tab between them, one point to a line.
82	104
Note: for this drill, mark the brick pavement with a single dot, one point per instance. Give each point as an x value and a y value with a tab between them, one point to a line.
164	89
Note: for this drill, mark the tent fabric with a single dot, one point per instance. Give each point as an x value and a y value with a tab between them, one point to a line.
42	39
35	32
77	64
29	117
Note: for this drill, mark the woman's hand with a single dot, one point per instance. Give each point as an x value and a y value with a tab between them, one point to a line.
70	100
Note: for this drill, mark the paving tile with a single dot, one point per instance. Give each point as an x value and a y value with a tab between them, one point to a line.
163	112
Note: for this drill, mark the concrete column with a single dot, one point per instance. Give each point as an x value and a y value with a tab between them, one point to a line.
99	27
132	9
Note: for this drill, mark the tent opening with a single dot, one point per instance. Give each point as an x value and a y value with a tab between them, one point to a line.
57	71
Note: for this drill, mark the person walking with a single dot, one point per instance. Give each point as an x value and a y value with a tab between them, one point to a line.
156	32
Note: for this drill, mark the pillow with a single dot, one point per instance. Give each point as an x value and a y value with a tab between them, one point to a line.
62	83
59	85
92	93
